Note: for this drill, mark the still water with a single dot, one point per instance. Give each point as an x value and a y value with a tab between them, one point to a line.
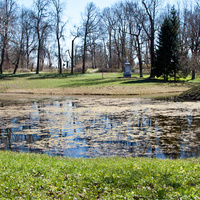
99	126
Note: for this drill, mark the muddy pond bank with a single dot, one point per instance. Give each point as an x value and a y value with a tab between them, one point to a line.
100	126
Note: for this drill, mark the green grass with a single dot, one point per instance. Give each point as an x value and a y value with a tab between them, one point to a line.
35	176
52	80
66	80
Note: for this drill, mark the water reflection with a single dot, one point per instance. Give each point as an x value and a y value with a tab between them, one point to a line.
90	127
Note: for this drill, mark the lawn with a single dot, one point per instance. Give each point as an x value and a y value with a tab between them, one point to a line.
35	176
52	80
87	84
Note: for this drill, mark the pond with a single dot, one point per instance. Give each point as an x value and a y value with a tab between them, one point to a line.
102	126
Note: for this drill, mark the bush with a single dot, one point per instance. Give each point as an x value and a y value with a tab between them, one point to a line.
50	70
78	68
19	70
24	70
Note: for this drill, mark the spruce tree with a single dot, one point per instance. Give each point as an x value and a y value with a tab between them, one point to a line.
175	43
167	53
164	51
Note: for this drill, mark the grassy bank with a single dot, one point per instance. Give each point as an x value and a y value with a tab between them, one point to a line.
191	94
87	84
34	176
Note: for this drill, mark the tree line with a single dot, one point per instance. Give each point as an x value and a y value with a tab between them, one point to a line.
151	34
27	33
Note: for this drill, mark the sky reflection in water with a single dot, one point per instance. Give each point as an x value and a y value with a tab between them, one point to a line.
93	127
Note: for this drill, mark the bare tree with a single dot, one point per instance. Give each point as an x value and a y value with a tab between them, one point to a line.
89	26
29	35
135	16
92	44
109	22
150	11
59	27
75	35
42	26
8	18
72	54
120	30
20	43
193	29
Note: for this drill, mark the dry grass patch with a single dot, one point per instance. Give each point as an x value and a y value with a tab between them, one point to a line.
105	90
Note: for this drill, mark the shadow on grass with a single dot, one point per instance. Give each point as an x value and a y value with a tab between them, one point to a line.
77	81
109	81
149	80
12	76
55	76
90	82
38	76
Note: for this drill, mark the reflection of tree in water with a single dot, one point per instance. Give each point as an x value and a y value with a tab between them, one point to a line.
139	134
170	139
175	139
115	134
66	128
14	138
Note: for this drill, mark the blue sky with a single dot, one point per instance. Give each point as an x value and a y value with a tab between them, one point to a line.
74	8
72	13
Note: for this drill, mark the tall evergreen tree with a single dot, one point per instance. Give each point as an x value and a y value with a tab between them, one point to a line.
174	19
164	51
167	54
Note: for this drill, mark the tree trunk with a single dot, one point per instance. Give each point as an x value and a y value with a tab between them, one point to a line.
27	61
2	60
84	54
152	54
59	55
193	74
59	60
38	57
3	54
18	58
16	66
19	54
83	68
139	55
72	58
27	51
110	49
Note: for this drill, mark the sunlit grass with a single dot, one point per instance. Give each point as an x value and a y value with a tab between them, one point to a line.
66	80
35	176
89	84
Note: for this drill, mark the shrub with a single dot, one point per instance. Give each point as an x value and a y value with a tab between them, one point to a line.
108	70
24	70
78	68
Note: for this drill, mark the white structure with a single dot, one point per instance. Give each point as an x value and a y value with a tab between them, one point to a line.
127	69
